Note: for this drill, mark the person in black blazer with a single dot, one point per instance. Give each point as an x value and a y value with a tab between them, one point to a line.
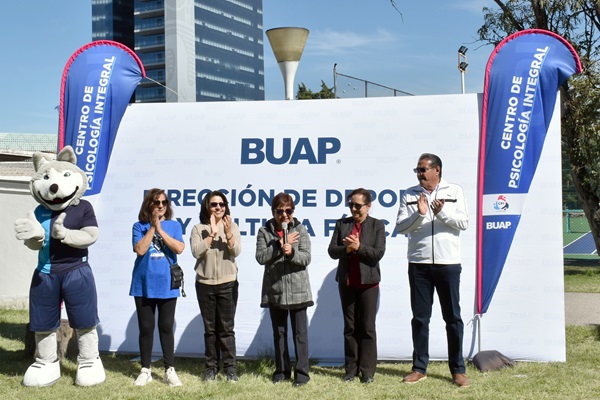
358	243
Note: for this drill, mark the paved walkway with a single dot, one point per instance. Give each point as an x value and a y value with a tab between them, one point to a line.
582	308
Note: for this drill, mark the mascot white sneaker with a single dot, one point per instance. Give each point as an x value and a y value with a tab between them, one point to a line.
61	229
90	371
45	371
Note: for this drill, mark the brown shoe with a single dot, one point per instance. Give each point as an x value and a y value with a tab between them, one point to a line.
460	380
414	377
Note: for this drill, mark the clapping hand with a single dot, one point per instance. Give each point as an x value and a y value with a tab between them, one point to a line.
436	206
352	242
422	204
156	217
226	220
213	223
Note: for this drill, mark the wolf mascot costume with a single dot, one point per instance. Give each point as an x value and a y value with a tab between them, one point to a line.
61	229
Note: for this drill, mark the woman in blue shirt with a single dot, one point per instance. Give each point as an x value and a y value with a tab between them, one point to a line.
157	239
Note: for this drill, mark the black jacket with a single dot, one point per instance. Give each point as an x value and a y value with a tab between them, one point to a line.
372	249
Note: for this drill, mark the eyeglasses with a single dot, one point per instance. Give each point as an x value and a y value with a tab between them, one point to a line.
221	204
421	169
356	206
288	211
160	202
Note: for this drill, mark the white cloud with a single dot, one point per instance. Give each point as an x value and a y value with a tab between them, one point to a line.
330	42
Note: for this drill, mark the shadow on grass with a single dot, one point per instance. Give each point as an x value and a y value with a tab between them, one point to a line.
597	332
385	369
333	371
582	270
14	362
582	262
13	331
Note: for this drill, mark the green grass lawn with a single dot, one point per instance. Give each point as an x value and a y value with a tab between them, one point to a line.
577	378
574	379
583	278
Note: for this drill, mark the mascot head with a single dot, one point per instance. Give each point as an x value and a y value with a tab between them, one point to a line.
58	183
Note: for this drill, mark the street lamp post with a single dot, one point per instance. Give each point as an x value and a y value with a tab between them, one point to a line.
335	81
288	45
462	66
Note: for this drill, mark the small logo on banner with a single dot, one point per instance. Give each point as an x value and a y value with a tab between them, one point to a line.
501	204
498	225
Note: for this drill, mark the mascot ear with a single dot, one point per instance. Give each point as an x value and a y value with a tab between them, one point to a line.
40	159
67	154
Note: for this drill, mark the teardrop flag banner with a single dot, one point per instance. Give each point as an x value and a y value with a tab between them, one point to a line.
97	84
523	75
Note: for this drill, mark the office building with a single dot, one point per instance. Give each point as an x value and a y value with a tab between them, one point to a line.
203	50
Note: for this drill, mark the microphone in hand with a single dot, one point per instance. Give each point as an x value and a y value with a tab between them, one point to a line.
284	226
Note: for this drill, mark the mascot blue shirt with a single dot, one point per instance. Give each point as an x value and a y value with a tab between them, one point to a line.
55	256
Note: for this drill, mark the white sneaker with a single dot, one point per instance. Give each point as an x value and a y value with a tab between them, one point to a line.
90	372
143	378
171	377
42	373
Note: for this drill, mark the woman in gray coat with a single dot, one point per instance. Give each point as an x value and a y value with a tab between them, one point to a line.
283	247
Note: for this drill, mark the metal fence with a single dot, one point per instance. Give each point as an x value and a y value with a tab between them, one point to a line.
346	86
575	221
577	237
28	142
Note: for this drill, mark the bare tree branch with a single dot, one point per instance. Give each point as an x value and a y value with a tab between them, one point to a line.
509	15
393	3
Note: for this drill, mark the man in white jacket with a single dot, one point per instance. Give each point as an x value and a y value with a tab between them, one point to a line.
432	214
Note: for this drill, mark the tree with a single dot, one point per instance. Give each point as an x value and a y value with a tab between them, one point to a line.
578	21
306	94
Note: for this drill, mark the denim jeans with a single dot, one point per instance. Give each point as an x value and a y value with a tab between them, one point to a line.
424	279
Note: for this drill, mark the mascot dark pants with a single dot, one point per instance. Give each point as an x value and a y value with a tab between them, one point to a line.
61	229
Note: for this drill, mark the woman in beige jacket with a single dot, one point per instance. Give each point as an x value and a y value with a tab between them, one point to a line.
215	244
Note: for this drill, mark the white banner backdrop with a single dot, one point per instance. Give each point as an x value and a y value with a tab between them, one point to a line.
318	151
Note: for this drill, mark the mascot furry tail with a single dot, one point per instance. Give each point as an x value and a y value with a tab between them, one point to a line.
61	229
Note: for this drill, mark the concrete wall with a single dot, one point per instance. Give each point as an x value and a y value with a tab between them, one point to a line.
17	262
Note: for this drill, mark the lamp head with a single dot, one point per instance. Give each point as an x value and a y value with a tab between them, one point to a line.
287	43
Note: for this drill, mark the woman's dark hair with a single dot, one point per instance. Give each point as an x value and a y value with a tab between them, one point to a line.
366	195
145	214
205	206
434	160
282	199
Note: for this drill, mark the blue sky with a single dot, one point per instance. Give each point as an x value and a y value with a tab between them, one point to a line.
415	51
